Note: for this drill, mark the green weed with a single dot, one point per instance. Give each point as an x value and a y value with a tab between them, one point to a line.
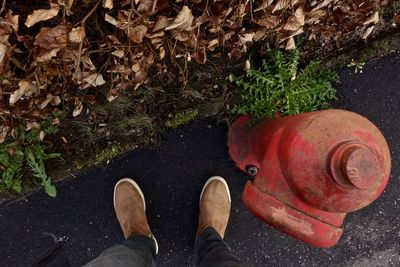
25	150
182	118
280	86
358	66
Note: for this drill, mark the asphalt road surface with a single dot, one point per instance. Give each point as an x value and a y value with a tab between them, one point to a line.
172	176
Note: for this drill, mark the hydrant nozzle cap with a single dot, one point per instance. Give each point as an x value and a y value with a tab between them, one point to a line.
354	165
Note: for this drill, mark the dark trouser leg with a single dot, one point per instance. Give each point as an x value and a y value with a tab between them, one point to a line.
212	251
138	251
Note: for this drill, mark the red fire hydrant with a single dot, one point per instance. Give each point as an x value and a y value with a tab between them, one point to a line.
310	170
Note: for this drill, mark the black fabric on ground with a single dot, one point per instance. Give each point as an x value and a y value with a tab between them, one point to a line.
55	256
211	251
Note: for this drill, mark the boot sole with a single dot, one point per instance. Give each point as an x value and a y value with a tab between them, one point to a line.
132	182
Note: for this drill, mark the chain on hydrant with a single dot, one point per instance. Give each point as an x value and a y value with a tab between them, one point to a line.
310	170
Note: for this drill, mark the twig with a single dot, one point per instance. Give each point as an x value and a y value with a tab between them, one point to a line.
18	64
90	12
78	63
251	10
128	29
226	15
3	6
153	9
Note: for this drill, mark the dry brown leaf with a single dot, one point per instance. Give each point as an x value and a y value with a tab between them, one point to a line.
259	35
47	56
146	5
268	22
263	5
291	44
32	125
140	77
374	19
284	36
137	33
200	56
94	80
41	15
52	38
295	21
246	38
247	66
162	52
108	4
114	22
9	22
368	31
312	36
25	88
3	52
118	53
78	108
183	36
114	40
56	121
77	35
67	4
157	42
50	99
183	21
281	4
156	35
136	67
201	20
212	44
315	16
87	63
41	135
33	88
396	19
3	132
321	4
112	94
161	23
227	37
299	15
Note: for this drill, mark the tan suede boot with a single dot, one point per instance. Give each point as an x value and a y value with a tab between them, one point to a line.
215	206
130	208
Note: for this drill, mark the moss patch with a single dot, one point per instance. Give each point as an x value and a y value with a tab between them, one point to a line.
107	154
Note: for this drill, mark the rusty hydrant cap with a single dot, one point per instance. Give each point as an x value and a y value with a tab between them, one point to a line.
354	165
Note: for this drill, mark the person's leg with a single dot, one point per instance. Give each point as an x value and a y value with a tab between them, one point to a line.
215	205
135	251
139	247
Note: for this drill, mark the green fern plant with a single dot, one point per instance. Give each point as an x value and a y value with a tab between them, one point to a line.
25	150
280	86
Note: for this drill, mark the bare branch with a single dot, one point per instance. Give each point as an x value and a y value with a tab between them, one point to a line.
3	6
83	21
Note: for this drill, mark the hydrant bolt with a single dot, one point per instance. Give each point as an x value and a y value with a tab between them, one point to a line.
251	170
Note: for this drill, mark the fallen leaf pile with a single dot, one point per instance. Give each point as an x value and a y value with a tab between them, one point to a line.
55	55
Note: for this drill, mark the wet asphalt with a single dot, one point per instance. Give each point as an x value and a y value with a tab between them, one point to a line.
171	177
